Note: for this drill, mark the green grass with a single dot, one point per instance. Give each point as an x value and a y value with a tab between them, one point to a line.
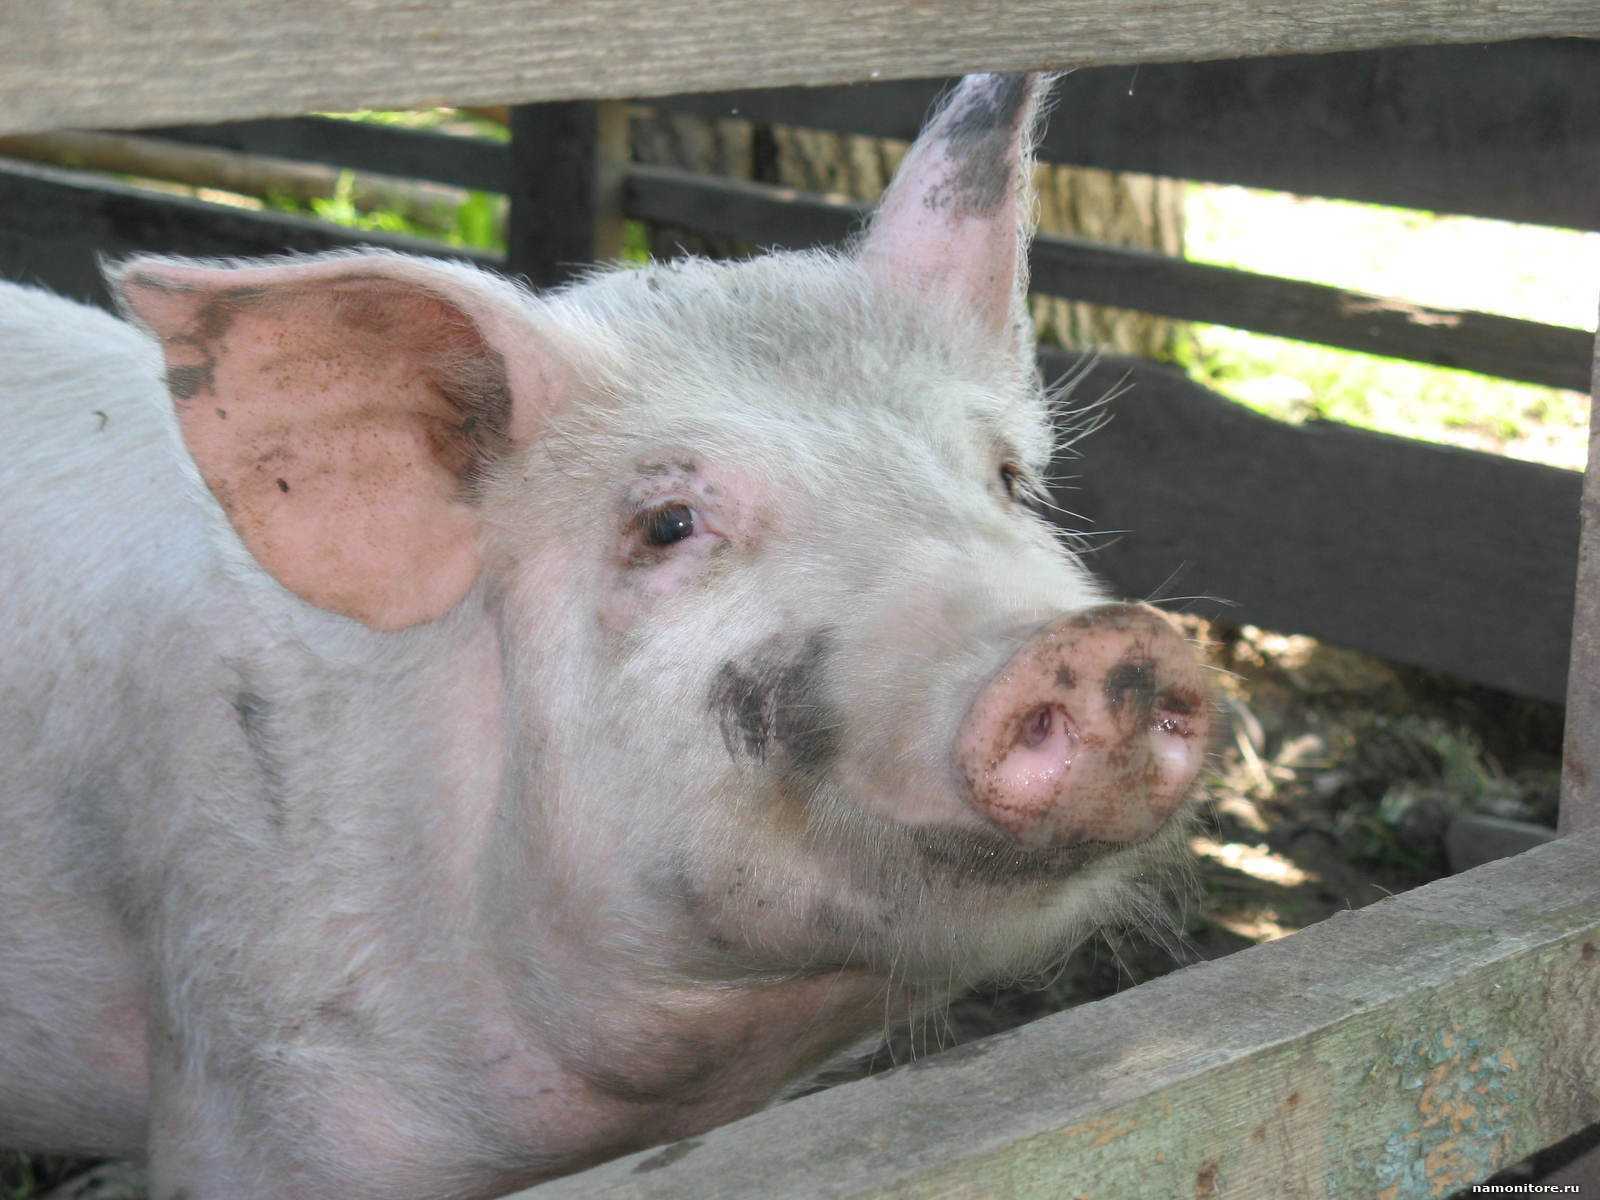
1542	274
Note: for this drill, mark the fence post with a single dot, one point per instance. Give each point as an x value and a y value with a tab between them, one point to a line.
1580	765
567	162
1580	754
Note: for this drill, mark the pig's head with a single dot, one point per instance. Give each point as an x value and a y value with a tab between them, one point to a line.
789	674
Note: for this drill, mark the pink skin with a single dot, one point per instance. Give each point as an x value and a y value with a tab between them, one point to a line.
933	233
1094	731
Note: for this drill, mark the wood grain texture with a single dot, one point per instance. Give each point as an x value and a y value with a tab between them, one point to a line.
1494	345
1393	126
1445	558
1580	762
128	63
467	162
1580	753
1394	1053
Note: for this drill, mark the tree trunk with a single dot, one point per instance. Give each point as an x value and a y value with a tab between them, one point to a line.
1140	211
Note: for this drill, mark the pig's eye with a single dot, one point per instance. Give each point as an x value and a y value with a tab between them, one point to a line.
668	524
1011	478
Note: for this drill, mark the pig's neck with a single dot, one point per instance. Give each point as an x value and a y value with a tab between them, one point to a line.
586	1029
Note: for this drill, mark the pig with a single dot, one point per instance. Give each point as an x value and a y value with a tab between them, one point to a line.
453	735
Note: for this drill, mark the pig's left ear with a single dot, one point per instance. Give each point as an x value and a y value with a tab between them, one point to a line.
339	408
957	218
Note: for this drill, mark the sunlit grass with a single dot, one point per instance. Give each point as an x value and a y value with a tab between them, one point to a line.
1542	274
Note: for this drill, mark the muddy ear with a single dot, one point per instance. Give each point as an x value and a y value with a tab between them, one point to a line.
339	407
957	217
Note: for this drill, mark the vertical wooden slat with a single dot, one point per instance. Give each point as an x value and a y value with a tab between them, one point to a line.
567	161
1580	765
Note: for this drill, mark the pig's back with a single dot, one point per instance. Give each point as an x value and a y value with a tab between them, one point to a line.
97	510
103	569
101	542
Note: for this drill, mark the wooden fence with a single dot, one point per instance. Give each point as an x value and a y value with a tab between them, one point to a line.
1474	571
1415	1046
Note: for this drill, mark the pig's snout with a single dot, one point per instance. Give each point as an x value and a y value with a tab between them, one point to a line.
1094	730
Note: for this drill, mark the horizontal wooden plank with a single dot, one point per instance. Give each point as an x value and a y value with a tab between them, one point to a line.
468	162
102	63
1494	345
1397	1052
58	222
1392	126
1445	558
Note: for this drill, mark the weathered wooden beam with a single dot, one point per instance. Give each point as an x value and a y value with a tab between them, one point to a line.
467	162
1580	754
1397	1052
116	64
204	166
1393	126
1494	345
57	223
1473	839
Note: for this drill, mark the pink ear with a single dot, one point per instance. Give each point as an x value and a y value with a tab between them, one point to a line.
955	220
337	408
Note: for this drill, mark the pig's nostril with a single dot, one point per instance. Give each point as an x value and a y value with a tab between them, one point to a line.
1036	727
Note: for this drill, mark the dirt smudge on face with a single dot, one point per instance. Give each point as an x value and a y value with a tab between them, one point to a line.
773	704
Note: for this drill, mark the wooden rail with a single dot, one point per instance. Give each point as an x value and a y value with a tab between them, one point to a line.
1503	346
1522	143
766	216
57	223
129	65
1509	131
467	162
1394	1053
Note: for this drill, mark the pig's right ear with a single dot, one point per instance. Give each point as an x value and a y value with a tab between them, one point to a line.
339	407
956	219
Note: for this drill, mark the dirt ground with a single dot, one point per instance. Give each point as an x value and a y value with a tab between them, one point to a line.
1332	784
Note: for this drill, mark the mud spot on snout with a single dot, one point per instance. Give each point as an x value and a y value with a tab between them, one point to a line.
775	700
1131	686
